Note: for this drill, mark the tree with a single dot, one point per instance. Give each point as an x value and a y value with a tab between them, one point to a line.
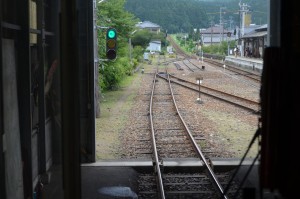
112	14
141	38
198	35
177	15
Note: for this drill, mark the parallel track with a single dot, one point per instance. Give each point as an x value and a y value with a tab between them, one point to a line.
246	104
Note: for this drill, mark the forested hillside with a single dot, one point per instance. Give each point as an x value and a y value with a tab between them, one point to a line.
181	15
172	15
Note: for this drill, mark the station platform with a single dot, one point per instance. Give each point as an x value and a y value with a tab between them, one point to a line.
255	64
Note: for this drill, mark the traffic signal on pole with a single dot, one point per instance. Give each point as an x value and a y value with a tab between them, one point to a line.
111	43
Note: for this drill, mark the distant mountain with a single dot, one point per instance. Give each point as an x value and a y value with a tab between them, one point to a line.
182	15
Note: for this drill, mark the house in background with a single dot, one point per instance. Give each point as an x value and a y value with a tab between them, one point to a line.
149	26
154	46
215	35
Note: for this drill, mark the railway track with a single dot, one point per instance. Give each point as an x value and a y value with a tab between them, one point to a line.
256	77
178	50
182	185
253	76
244	103
192	67
173	139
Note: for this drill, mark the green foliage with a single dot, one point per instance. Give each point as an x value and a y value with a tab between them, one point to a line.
135	62
112	14
178	16
160	36
110	77
219	49
137	52
258	10
112	74
173	15
125	62
190	46
143	37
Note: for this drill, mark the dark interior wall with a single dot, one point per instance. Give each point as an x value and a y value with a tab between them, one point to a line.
24	91
12	147
289	109
86	71
2	163
9	15
70	98
52	56
33	60
280	106
69	106
2	170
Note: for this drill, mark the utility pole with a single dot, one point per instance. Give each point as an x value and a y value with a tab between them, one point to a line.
244	8
130	46
221	24
211	31
230	23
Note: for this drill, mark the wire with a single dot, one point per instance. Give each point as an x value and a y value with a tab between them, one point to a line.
246	175
257	133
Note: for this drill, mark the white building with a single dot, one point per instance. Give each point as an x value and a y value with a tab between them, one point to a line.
154	46
169	49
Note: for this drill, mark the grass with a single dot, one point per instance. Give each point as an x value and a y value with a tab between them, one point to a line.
237	133
114	106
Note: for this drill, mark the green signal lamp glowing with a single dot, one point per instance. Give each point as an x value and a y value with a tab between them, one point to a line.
111	43
111	33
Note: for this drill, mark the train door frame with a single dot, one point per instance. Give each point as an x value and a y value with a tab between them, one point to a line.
2	170
78	103
280	108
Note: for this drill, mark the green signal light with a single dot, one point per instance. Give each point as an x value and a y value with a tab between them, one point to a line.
111	43
111	34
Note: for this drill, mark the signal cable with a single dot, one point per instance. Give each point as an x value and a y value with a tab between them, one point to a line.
258	132
246	175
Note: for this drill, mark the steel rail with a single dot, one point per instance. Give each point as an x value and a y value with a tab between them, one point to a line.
236	70
197	148
213	96
230	68
215	90
195	65
188	66
157	163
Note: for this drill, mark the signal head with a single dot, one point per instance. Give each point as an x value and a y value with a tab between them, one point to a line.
111	43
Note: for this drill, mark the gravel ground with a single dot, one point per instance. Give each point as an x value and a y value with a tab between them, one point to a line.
227	129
